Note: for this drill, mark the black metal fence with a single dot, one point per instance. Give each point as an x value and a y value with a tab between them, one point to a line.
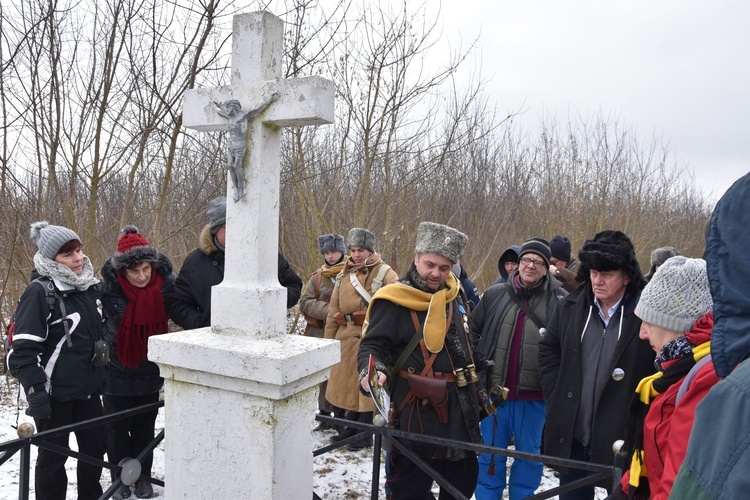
23	448
597	473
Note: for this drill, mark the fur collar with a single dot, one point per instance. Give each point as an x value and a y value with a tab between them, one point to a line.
206	241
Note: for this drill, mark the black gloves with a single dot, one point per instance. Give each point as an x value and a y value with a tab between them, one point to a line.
39	405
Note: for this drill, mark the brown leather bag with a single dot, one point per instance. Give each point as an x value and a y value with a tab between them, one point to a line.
358	317
434	390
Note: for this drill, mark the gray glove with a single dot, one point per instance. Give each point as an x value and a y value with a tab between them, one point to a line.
39	405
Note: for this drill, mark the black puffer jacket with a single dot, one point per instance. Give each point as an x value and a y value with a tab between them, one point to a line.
189	301
40	352
122	381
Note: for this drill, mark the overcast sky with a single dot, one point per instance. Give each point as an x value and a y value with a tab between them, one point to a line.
680	69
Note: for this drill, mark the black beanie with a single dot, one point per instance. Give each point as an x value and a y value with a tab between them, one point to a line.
559	247
537	245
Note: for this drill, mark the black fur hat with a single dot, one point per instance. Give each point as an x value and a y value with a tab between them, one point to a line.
608	251
133	248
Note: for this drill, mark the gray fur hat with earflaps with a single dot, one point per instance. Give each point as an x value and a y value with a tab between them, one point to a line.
331	243
441	240
360	237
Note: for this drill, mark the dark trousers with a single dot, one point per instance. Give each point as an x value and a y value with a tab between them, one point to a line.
128	437
407	481
50	478
577	452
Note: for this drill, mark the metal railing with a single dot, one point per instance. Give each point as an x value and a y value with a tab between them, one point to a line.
41	440
598	472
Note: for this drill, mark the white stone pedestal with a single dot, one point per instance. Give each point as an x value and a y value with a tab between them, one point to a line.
239	413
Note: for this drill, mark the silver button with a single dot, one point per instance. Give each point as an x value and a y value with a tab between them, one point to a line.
618	374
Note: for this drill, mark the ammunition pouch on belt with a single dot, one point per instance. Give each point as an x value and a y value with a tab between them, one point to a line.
314	322
432	390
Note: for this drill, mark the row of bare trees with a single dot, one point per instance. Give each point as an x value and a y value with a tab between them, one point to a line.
91	137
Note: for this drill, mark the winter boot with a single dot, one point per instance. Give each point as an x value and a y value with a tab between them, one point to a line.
366	440
348	431
338	413
323	426
143	489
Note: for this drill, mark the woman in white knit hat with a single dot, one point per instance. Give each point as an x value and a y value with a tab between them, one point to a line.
58	321
676	310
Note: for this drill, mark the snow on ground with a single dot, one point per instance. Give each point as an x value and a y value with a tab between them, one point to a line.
339	474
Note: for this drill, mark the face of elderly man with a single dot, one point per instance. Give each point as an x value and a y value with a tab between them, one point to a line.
609	286
531	269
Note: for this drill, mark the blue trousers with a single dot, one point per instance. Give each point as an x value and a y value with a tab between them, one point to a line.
524	420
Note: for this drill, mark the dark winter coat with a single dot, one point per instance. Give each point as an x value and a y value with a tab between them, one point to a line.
40	354
494	322
718	457
510	253
560	374
122	381
189	301
388	333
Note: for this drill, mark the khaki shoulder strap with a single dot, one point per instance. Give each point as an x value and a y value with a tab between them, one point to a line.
377	282
359	288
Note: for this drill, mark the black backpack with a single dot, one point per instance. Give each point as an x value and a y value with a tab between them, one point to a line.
49	290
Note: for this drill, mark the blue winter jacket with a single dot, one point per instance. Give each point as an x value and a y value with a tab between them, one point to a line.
718	458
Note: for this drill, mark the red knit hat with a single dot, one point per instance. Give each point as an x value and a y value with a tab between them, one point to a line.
132	248
130	238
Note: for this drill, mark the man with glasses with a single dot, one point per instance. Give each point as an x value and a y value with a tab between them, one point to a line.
591	358
511	319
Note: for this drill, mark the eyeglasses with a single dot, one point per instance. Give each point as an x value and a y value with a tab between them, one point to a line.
531	262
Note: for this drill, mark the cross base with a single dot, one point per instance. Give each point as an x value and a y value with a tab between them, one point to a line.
239	413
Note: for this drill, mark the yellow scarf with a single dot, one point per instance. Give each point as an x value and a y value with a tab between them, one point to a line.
646	393
417	300
334	270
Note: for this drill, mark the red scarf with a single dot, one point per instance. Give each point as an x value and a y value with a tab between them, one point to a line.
144	316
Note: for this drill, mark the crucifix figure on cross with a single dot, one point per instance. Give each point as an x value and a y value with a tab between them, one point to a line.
237	128
254	164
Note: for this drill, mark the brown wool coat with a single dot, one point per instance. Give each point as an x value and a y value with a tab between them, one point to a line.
316	307
343	383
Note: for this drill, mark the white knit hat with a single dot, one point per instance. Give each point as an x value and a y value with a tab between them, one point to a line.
677	295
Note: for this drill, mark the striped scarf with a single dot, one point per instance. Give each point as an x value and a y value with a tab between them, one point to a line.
652	386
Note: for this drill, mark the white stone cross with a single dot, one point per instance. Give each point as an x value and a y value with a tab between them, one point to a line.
249	391
250	299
